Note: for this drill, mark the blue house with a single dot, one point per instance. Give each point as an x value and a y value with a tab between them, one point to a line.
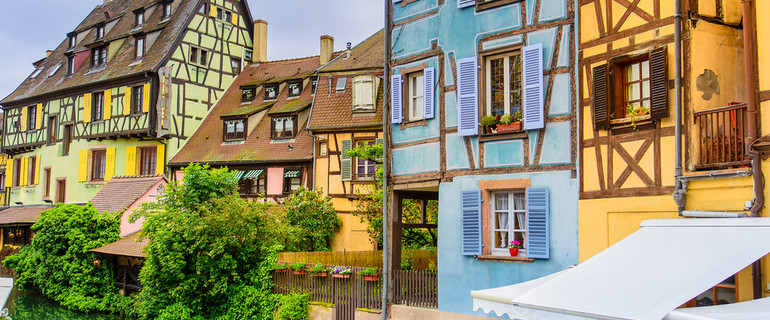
454	62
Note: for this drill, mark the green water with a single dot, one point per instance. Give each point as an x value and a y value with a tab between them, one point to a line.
33	306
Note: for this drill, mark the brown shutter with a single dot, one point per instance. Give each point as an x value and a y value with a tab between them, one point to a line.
658	84
601	95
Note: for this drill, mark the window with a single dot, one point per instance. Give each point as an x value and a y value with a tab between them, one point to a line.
97	107
631	89
220	13
204	8
723	293
259	184
98	164
139	47
323	149
67	139
292	180
16	172
363	93
271	92
248	94
138	18
53	127
313	84
283	127
72	40
503	83
32	170
17	236
31	117
254	182
235	63
485	4
235	130
148	157
137	94
364	167
167	9
47	181
416	92
247	55
98	56
70	65
508	221
228	16
198	56
340	86
99	32
295	88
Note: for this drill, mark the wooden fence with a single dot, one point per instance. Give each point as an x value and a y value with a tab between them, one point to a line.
421	259
414	288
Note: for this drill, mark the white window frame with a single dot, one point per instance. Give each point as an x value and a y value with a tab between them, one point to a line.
363	99
416	83
512	212
506	79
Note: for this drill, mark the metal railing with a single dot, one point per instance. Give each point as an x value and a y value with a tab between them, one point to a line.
722	132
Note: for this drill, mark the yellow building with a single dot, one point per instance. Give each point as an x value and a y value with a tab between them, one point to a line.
627	63
346	113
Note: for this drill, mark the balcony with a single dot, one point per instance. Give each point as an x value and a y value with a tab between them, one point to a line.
721	135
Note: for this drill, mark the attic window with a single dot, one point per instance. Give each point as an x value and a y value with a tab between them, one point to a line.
139	17
340	87
283	127
295	88
247	94
99	32
167	9
70	65
363	93
54	70
72	40
271	92
235	130
37	72
98	56
139	47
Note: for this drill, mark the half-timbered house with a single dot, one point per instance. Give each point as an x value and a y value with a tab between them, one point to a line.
346	113
120	95
628	99
453	63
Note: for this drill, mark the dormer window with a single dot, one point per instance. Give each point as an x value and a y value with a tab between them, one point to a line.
295	88
167	10
283	127
271	92
139	18
99	32
235	130
98	56
70	65
139	47
363	93
248	94
72	40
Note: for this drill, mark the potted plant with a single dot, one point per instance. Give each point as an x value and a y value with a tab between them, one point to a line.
369	274
281	266
318	270
298	267
341	272
489	123
513	248
510	123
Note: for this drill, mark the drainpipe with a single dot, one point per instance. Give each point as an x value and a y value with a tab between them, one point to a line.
385	127
756	162
679	192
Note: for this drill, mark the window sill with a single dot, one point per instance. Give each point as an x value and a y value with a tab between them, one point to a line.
630	120
95	182
414	123
503	136
504	259
493	4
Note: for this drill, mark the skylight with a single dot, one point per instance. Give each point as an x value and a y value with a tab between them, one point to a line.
53	71
37	72
341	84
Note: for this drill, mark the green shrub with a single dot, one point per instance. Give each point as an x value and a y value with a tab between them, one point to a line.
294	307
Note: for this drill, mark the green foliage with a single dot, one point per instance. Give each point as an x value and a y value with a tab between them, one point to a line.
59	261
488	120
312	219
316	268
297	266
369	205
210	253
294	307
368	271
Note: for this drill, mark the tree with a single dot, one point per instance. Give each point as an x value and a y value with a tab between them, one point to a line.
60	263
312	219
209	251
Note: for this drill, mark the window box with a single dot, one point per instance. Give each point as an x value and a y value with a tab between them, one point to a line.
511	127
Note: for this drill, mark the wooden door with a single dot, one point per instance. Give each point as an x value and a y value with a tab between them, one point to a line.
61	185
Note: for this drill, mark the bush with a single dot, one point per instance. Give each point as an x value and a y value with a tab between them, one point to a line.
312	219
294	307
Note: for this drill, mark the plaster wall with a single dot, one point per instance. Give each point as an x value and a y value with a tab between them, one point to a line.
274	181
151	195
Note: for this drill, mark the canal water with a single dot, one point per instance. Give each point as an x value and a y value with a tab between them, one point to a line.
33	306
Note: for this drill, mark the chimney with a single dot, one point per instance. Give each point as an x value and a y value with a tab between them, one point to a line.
347	52
327	49
48	52
260	41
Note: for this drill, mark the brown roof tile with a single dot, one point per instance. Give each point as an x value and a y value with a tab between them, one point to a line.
206	144
21	215
129	246
120	192
368	54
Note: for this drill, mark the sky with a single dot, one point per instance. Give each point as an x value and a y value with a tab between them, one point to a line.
294	28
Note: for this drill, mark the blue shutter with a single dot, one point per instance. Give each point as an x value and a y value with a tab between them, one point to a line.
467	97
465	3
346	162
538	234
532	78
471	219
429	96
395	98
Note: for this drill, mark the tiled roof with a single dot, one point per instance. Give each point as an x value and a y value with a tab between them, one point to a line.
129	246
206	144
120	192
334	110
21	215
122	62
249	109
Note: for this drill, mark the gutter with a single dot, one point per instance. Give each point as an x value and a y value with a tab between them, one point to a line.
679	190
310	133
385	140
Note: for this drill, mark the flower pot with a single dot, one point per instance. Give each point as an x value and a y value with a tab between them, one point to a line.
298	272
281	270
514	251
511	127
320	274
373	277
341	276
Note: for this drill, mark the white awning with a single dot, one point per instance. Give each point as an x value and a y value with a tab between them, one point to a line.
6	286
749	310
649	273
